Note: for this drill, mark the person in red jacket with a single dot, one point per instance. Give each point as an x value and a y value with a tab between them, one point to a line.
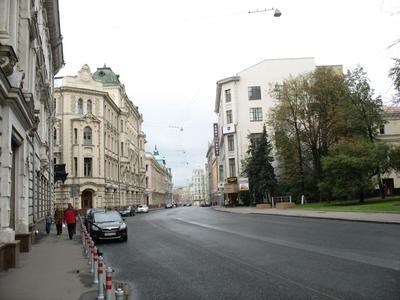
70	219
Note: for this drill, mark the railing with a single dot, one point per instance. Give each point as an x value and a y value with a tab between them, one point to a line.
102	274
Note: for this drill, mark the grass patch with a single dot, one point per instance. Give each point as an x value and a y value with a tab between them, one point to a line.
392	205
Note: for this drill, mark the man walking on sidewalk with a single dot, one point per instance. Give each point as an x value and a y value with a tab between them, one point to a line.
70	219
58	218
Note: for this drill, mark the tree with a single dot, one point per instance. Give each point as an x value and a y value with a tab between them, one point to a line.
307	121
395	75
258	167
351	168
364	111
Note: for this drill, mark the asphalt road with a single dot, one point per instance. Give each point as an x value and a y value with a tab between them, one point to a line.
198	253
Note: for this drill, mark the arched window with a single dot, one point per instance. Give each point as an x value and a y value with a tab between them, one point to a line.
87	136
55	136
80	106
89	106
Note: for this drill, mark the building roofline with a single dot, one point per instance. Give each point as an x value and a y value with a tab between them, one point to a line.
274	59
219	87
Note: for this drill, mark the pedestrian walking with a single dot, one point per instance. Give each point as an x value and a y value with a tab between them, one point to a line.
49	220
226	203
70	219
58	218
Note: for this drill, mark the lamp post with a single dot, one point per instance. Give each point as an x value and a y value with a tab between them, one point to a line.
277	12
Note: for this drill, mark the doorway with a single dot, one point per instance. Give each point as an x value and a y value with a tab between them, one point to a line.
87	199
388	186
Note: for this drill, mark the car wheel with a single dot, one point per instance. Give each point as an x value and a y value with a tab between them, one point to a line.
125	238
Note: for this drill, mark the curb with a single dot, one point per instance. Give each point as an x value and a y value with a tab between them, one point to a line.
312	217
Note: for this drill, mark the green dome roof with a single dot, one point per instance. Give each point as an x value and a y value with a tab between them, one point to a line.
106	76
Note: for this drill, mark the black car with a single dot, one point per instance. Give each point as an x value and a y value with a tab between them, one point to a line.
108	225
89	215
127	211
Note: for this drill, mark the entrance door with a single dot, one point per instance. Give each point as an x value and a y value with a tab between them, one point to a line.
87	199
388	186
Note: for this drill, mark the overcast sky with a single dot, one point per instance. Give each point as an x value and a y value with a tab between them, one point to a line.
169	54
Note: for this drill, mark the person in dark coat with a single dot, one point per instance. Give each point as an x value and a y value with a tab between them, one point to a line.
70	218
58	218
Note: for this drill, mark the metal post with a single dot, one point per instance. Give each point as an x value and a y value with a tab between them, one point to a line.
95	271
100	295
119	294
90	256
109	272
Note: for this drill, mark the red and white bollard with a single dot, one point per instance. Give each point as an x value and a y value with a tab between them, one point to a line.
109	272
95	271
91	255
100	294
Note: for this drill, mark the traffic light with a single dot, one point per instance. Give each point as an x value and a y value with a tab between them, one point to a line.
59	173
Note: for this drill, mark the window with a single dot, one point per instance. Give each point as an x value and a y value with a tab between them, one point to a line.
122	148
231	145
87	136
229	116
55	105
382	129
55	136
256	114
80	106
147	168
221	173
232	169
122	125
87	162
147	182
75	136
254	92
227	96
89	106
76	166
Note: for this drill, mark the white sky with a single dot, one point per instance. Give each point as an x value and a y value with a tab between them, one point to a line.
169	54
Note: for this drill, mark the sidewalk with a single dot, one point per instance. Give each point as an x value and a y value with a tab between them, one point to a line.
392	218
54	269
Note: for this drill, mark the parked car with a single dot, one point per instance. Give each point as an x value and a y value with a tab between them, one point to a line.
142	208
108	225
89	215
127	211
169	205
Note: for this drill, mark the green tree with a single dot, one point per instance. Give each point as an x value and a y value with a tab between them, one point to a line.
307	121
258	167
351	168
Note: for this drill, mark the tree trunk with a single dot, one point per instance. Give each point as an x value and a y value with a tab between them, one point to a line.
381	189
361	197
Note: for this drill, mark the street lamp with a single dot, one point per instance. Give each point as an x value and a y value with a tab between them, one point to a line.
277	12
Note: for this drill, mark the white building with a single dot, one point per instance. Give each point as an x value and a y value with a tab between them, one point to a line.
242	103
98	137
199	187
31	54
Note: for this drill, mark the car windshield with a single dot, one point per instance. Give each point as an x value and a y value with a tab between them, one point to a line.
107	217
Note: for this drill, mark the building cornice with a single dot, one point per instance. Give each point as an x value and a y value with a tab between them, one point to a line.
219	88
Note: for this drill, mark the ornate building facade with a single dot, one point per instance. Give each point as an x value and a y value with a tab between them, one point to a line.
98	137
31	53
158	180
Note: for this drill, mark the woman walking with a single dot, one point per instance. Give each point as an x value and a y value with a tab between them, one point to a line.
58	218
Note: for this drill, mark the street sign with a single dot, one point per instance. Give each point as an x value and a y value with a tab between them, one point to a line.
243	184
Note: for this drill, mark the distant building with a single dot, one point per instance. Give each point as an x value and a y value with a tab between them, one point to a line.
183	195
390	133
242	103
214	194
98	136
158	180
31	53
199	187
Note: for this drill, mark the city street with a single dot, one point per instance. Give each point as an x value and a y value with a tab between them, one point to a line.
199	253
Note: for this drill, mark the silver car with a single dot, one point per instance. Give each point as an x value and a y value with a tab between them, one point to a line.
142	208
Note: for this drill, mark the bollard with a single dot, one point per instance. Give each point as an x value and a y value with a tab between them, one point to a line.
100	295
93	254
119	294
95	271
90	256
109	272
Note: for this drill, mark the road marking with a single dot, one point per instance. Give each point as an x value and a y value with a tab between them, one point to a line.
374	261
